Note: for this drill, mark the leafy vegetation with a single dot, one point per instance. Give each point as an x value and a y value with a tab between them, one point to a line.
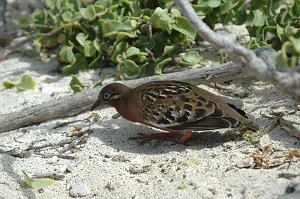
140	38
37	183
252	137
113	33
24	83
274	23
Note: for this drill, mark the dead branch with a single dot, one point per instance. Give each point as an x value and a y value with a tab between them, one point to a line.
288	78
79	102
74	104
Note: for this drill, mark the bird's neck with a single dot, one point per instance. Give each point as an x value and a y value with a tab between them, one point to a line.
127	108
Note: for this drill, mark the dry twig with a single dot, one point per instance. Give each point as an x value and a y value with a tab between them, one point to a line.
285	78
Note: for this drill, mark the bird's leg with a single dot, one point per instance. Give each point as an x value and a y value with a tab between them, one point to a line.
157	136
185	137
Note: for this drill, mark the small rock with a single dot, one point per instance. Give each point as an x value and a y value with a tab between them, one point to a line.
62	169
138	166
114	126
173	160
138	160
227	146
53	160
243	165
80	190
119	158
73	164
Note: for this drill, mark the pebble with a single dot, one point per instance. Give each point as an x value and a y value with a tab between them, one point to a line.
119	158
53	160
243	165
138	165
73	164
80	190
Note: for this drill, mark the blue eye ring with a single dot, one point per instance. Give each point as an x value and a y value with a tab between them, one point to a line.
106	95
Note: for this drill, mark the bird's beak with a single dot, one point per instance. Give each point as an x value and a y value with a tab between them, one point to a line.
96	105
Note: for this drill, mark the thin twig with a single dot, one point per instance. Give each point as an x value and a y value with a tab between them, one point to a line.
74	143
61	143
69	157
288	79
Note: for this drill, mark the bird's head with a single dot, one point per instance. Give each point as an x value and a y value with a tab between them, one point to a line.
111	95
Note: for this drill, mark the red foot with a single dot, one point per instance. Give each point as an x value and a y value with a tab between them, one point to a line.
157	136
162	136
185	137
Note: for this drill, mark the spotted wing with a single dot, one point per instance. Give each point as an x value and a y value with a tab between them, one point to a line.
176	106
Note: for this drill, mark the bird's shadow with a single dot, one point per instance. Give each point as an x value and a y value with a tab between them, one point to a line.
116	133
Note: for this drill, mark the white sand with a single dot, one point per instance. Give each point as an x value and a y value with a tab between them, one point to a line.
109	158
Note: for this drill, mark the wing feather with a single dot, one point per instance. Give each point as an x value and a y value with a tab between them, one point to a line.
166	105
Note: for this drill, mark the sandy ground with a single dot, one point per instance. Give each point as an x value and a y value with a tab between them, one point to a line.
111	166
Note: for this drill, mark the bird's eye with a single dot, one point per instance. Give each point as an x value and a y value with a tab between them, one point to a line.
106	96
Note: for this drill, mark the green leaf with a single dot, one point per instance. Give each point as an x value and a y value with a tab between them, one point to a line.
134	7
9	83
213	3
79	63
70	5
97	44
281	59
61	38
202	12
113	27
76	85
209	3
228	5
50	4
88	13
67	16
190	58
122	35
96	63
259	18
251	137
175	12
38	16
168	50
89	49
159	64
281	33
37	45
160	19
66	54
182	186
132	51
120	48
26	83
81	37
193	161
183	26
37	183
295	43
129	69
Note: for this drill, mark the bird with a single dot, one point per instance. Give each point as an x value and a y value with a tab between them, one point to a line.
172	106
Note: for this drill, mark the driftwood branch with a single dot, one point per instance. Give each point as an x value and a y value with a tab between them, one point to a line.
79	102
287	79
